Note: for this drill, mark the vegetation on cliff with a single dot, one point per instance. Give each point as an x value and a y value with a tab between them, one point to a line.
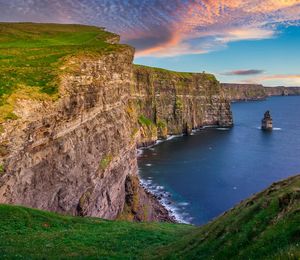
170	102
32	58
265	226
157	72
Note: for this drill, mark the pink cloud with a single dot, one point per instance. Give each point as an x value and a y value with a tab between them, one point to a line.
222	22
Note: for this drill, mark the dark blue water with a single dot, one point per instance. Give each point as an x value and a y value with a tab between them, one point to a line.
203	175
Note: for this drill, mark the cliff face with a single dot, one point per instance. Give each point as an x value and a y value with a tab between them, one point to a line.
252	92
282	91
169	103
77	154
244	92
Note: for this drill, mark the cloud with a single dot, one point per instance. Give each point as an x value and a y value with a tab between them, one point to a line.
165	28
224	21
243	72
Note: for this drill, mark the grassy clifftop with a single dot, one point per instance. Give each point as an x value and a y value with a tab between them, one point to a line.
266	226
31	57
168	73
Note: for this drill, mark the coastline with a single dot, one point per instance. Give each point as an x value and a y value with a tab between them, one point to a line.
163	197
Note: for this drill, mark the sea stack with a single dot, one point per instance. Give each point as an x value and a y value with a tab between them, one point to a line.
267	122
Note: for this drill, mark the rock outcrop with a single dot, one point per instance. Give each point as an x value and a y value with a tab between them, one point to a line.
171	103
244	92
267	122
77	155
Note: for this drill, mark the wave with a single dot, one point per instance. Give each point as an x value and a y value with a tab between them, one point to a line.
183	204
139	152
223	129
274	128
176	210
170	137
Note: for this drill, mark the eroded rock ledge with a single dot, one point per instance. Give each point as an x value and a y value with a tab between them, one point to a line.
78	155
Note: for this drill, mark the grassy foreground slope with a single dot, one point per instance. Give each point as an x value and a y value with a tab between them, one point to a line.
37	234
266	226
32	56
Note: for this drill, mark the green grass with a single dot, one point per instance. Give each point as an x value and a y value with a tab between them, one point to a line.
145	121
266	226
104	162
160	70
184	75
28	233
31	57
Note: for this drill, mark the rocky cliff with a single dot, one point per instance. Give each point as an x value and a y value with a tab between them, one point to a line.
252	92
76	154
244	92
171	103
282	91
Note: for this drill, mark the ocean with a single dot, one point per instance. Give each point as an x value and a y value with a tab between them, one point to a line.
199	177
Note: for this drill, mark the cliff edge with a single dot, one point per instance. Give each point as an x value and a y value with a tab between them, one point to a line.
174	103
73	109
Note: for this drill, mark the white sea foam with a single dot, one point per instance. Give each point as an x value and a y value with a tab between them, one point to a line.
210	126
139	152
223	129
158	142
274	128
176	210
183	203
171	137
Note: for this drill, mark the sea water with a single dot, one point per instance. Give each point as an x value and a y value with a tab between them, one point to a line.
199	177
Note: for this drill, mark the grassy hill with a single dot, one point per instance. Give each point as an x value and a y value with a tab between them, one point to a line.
266	226
31	57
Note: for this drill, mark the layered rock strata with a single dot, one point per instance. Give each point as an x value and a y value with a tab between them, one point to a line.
172	103
267	122
244	92
77	155
253	92
282	91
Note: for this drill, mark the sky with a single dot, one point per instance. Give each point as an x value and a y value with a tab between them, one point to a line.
240	41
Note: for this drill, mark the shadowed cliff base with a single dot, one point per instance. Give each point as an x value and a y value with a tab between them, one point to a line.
265	226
